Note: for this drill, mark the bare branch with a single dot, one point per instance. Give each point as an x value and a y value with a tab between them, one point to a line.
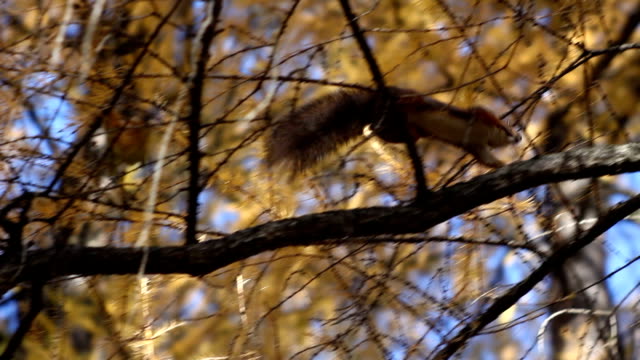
316	229
208	32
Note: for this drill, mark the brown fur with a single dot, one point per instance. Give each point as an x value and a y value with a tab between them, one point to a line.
302	137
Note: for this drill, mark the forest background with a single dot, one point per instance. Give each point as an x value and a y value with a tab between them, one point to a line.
138	219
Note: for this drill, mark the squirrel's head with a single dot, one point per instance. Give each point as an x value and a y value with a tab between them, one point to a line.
503	134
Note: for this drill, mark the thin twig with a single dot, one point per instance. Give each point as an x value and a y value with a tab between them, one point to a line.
95	125
554	261
25	324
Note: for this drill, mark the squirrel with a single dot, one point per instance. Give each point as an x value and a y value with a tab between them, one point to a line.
302	137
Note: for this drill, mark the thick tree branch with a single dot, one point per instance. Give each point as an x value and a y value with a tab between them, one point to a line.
319	228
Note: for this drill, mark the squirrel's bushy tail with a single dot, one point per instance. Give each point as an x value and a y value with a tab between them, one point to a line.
302	137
